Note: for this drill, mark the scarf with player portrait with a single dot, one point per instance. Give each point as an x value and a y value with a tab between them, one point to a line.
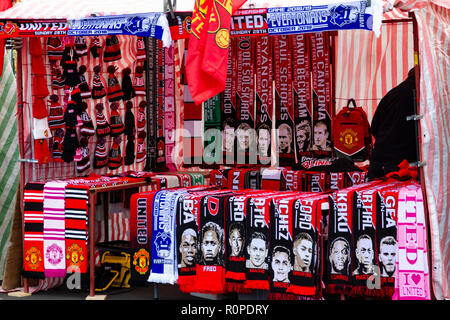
264	97
246	140
228	108
321	88
387	209
236	235
302	94
141	212
281	232
210	268
339	265
187	219
257	242
284	105
307	246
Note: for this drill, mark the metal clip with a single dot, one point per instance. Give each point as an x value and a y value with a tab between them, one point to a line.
418	164
414	117
28	160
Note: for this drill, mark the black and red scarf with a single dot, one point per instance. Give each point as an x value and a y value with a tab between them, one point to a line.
339	266
210	268
264	97
228	109
212	153
141	209
246	140
76	223
160	164
284	104
257	242
321	88
387	208
293	180
306	279
302	94
280	248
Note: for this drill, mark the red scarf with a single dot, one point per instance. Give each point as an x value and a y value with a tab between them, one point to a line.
321	85
264	97
302	94
284	103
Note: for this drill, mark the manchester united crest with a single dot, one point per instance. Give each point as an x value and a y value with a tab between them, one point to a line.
141	261
33	258
348	138
75	255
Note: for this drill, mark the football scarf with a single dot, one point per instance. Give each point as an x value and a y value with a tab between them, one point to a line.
280	247
315	181
228	109
149	106
252	180
169	107
293	180
364	253
141	209
257	243
188	213
339	265
210	268
246	145
386	235
271	178
284	104
211	118
302	94
163	254
219	177
236	179
306	278
264	97
76	234
160	110
412	274
321	85
33	219
54	229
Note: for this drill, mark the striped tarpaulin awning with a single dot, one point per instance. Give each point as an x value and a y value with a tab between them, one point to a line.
368	67
9	154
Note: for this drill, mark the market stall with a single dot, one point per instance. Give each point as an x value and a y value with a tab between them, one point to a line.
182	136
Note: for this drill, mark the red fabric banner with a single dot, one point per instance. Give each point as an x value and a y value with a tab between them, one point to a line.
208	47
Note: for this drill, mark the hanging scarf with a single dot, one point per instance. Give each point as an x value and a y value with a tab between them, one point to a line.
210	268
219	177
211	125
76	216
271	178
169	106
141	206
386	234
33	237
321	85
280	248
163	254
293	180
306	279
160	111
228	109
412	274
188	214
283	99
257	243
246	141
340	240
302	94
54	229
264	97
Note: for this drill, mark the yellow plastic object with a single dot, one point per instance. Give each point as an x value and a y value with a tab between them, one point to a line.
121	280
